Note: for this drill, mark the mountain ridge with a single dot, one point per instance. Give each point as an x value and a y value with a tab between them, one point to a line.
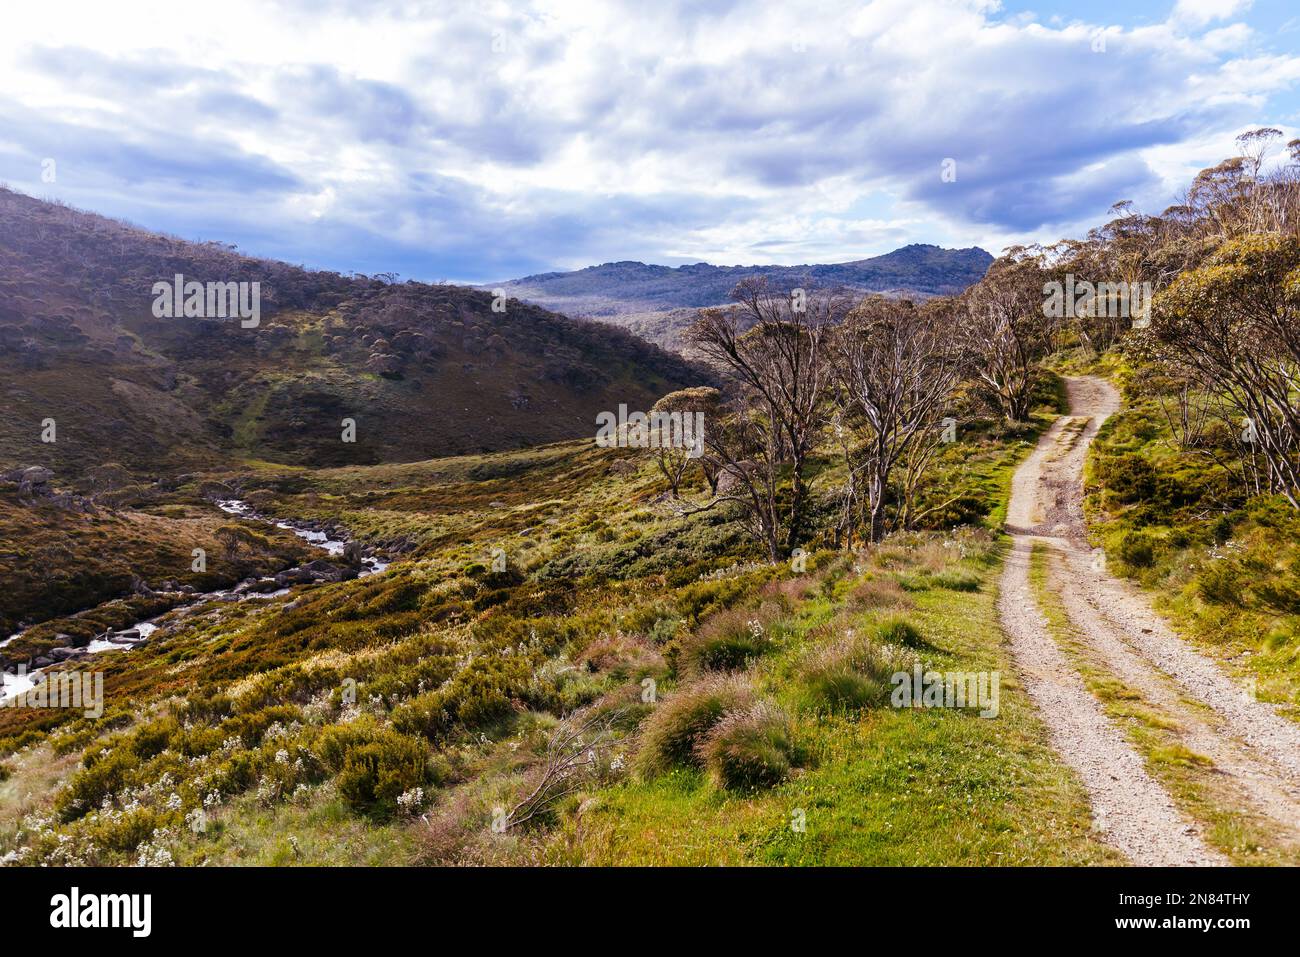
658	302
424	370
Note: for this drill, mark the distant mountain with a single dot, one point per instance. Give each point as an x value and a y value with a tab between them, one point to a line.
422	370
658	302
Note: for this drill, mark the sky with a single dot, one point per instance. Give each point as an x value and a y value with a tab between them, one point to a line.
471	142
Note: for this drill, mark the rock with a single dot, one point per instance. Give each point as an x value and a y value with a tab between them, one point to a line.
352	553
42	661
74	503
33	480
64	654
216	490
36	475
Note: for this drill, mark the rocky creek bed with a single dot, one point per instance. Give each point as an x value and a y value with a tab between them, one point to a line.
357	561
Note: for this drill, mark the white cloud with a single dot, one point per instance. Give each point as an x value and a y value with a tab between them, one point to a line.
1200	12
482	141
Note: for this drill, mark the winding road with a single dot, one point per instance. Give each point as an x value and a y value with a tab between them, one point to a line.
1255	750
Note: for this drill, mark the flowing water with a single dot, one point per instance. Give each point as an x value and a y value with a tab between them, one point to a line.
139	632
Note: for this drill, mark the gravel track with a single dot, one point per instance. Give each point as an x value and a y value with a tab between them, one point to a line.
1132	812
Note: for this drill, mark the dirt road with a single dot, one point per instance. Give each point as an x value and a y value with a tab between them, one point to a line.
1114	630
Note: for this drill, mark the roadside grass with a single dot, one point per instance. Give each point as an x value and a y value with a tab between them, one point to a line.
1191	779
1226	574
885	786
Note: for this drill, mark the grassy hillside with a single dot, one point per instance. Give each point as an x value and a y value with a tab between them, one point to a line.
397	718
422	370
57	562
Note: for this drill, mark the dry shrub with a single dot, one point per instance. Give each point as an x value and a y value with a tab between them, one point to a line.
622	656
789	592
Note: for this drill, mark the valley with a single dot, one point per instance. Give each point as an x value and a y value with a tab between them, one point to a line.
420	575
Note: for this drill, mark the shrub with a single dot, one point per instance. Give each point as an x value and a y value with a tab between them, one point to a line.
749	749
479	695
423	715
1137	550
664	630
377	773
102	775
373	765
1221	583
153	738
1130	478
1221	530
675	728
127	831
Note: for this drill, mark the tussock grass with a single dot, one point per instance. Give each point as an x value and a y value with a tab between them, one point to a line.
673	733
850	673
748	749
727	641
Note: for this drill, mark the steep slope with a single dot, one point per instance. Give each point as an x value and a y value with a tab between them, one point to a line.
422	370
658	302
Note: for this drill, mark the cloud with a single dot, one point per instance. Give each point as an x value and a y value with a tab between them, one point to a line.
1201	12
479	142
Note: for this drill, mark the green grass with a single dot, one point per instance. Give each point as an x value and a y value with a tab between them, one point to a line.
1225	571
884	787
461	672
